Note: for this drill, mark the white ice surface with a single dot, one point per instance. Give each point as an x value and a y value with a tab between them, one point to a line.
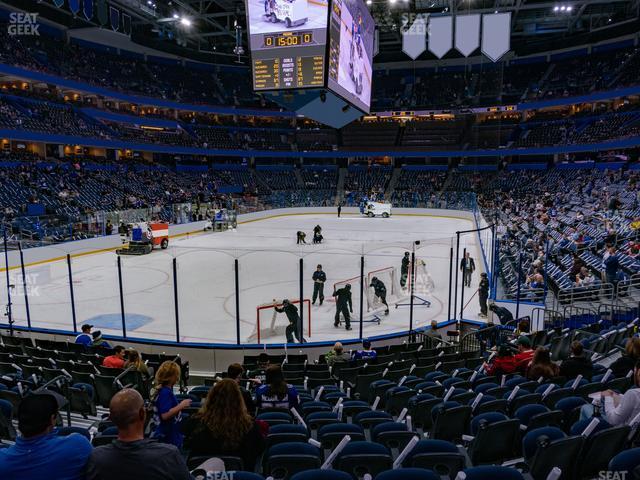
269	268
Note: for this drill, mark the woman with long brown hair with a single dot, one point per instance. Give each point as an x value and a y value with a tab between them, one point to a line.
134	359
542	366
224	427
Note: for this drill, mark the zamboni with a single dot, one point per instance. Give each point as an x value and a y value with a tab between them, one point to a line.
292	12
144	237
372	209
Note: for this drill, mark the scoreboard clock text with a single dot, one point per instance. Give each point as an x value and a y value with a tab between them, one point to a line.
288	39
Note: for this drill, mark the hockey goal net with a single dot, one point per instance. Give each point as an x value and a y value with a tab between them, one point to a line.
390	276
270	323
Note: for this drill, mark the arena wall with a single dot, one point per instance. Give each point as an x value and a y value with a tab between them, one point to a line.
206	359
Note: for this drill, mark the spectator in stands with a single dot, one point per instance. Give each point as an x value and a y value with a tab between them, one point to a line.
85	337
367	353
614	205
39	452
235	372
224	427
166	408
617	409
577	363
336	355
585	278
117	359
433	332
132	455
260	373
134	359
623	365
525	354
276	393
577	266
504	362
98	341
611	266
542	366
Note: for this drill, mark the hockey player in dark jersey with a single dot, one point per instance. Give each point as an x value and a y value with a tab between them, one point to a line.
294	327
404	269
319	277
343	305
380	291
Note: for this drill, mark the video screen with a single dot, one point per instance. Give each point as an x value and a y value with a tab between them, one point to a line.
288	40
351	34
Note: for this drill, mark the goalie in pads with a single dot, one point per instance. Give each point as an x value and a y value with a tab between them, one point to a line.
294	329
380	291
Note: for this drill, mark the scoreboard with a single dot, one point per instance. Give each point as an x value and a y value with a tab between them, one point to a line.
324	45
288	41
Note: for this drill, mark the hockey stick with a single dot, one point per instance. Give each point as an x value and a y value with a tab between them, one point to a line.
465	306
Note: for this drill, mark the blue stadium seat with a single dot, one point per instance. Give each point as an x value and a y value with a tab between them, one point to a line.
322	475
275	418
330	435
492	473
440	456
627	461
359	458
286	459
408	474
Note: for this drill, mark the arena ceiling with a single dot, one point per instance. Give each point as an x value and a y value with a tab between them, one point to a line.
209	26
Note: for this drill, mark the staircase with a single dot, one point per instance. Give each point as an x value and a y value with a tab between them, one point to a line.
342	174
299	180
620	70
392	183
262	182
546	75
447	182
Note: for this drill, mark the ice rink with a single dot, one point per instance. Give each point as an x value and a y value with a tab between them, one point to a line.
316	15
269	262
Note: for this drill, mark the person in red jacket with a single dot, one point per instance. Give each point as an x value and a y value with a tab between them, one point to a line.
503	364
116	360
525	354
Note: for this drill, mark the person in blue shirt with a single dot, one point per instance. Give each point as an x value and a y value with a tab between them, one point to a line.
276	393
366	352
167	411
39	452
85	337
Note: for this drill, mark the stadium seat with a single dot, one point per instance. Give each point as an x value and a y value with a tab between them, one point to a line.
275	418
322	475
371	418
286	433
359	458
330	435
451	423
442	457
627	461
548	447
408	474
393	435
495	438
600	447
492	473
284	460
